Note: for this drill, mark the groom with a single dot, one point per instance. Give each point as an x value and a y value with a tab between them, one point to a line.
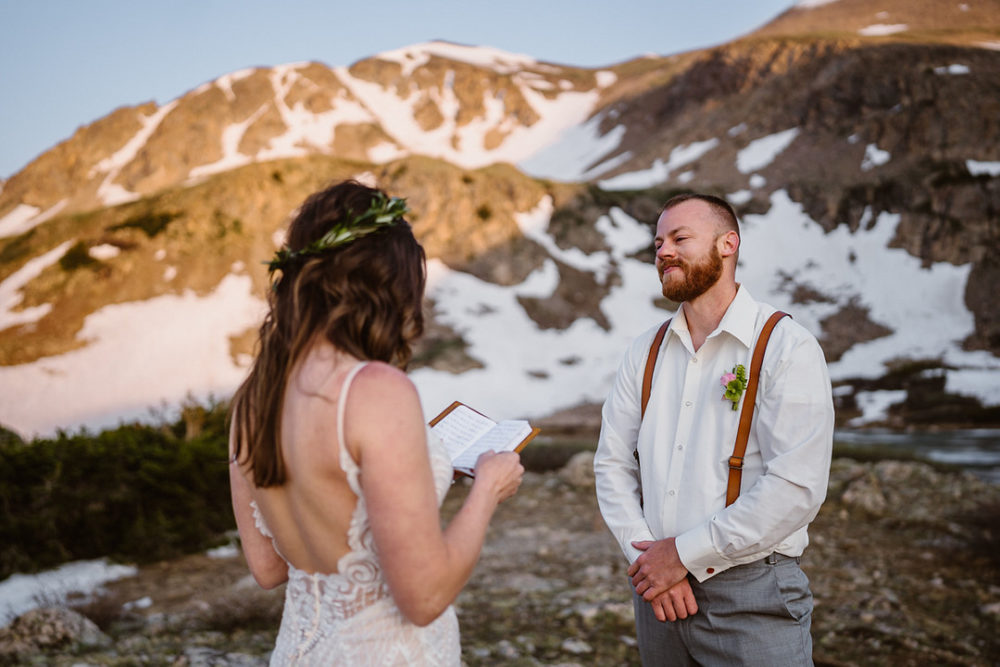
715	583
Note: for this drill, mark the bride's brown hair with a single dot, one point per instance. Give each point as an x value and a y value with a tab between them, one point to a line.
364	296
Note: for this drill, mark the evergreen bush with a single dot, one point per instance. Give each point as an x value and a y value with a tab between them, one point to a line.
136	493
150	223
76	257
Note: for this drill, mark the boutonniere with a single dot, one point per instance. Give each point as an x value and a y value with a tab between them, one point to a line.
734	384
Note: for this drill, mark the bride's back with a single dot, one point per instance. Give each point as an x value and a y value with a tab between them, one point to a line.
310	514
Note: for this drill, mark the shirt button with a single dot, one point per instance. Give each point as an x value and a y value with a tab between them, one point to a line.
672	492
680	447
710	570
687	403
694	360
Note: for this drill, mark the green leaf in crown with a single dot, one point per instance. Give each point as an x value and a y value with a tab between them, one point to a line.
382	212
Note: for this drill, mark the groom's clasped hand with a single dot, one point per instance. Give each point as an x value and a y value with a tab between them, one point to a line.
660	577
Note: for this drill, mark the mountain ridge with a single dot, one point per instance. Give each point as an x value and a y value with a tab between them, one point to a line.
533	186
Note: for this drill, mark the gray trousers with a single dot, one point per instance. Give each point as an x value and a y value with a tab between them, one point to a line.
753	614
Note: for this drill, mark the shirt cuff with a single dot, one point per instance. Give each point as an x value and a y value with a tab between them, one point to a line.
698	554
631	553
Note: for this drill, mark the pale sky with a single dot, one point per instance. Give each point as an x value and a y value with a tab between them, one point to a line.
66	63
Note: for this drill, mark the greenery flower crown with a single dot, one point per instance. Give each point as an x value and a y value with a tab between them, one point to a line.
383	212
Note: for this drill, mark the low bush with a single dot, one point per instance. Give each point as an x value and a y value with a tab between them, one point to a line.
136	493
76	257
150	223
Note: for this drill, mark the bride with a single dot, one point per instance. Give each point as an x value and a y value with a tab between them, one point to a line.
336	480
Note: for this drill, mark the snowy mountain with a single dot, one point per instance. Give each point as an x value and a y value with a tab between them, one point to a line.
865	164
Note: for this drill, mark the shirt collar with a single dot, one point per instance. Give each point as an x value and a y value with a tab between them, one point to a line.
739	321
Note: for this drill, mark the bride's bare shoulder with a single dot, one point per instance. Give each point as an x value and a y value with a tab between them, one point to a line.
383	409
380	384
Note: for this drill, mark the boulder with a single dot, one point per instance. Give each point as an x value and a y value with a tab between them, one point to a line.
48	628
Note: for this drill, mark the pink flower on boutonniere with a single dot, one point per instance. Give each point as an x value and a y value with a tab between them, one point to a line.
734	384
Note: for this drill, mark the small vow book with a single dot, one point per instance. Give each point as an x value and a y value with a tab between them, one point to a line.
467	434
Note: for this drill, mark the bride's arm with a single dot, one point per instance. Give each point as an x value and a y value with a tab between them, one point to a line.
424	566
266	566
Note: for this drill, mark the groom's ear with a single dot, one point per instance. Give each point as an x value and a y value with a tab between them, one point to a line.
728	243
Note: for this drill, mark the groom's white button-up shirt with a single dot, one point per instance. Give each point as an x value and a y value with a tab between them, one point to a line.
687	437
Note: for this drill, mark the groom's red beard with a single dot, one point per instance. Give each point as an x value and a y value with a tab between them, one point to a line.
698	277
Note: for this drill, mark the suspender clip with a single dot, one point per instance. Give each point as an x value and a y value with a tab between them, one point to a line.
736	463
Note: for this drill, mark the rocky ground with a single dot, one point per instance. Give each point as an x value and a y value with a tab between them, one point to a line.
904	568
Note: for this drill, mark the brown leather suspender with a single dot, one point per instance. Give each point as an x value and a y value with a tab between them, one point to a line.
749	396
746	414
647	376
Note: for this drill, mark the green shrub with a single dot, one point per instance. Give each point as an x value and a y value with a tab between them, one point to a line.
9	438
76	257
151	223
136	493
17	247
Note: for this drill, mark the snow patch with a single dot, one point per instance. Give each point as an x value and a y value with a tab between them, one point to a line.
660	171
761	152
109	192
578	153
24	217
739	197
10	289
874	157
605	78
416	55
895	287
517	352
104	251
225	551
20	593
385	152
977	168
231	158
396	117
952	69
144	602
882	29
226	81
534	225
181	349
874	405
305	129
17	221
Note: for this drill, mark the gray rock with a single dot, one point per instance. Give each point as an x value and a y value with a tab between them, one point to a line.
199	656
48	628
576	646
579	470
865	493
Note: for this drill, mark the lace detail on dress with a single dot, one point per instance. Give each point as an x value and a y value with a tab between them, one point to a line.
348	617
258	521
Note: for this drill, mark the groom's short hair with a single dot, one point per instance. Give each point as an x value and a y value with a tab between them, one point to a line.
720	207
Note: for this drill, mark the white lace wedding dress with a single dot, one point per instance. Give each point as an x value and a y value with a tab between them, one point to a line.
349	617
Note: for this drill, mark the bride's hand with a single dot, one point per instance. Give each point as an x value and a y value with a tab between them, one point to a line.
501	473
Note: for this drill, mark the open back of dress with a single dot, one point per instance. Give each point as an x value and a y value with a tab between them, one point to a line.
349	617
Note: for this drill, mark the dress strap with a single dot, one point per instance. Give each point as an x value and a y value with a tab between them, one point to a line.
347	463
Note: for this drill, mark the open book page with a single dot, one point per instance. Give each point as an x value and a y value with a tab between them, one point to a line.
467	433
460	428
505	436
